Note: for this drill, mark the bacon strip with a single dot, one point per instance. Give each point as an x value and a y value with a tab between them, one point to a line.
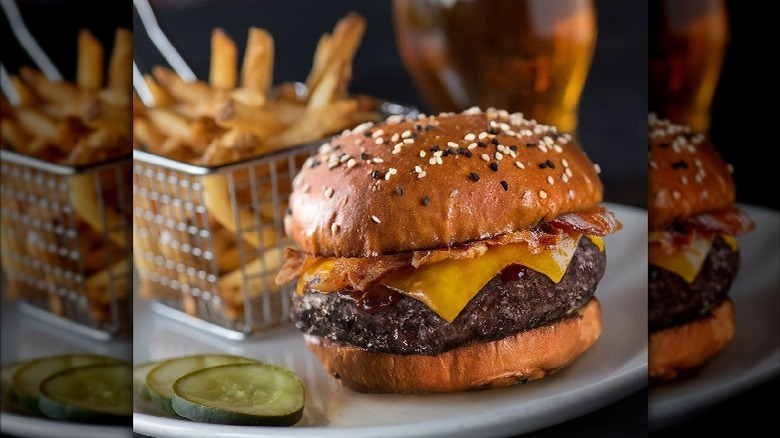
731	221
360	273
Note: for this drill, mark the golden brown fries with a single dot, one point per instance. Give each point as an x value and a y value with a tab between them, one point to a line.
246	116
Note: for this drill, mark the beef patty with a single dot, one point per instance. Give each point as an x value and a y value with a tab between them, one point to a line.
517	299
672	301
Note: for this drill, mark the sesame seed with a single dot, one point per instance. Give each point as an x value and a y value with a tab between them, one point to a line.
474	176
378	160
306	188
485	157
597	167
482	135
351	163
453	193
499	156
379	140
438	160
565	178
452	144
571	194
395	137
392	171
542	147
375	219
422	174
408	141
469	137
569	172
505	185
519	164
398	145
730	168
432	160
705	194
676	194
438	153
417	169
334	228
422	154
426	200
494	167
406	134
565	162
399	191
472	146
542	194
557	148
344	158
378	133
329	192
387	176
550	180
683	180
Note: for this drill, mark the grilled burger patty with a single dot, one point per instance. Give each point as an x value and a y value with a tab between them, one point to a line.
502	307
672	301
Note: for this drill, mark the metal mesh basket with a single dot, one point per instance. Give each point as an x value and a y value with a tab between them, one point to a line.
209	240
66	242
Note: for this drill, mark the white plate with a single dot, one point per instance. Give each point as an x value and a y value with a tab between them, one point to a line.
753	355
22	425
615	367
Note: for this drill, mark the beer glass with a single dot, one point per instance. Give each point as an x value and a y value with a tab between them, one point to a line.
687	45
530	56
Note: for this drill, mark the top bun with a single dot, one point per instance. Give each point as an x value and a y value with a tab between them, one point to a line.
686	175
435	182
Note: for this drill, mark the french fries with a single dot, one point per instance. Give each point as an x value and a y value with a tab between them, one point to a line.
70	233
235	114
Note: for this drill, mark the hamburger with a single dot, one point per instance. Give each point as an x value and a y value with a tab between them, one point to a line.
447	253
693	253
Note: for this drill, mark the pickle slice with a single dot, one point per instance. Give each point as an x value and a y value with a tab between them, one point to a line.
91	393
28	378
252	394
160	379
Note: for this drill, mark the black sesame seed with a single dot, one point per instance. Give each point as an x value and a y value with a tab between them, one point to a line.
418	127
452	151
428	127
434	148
414	136
445	152
474	176
315	163
665	145
289	210
482	144
337	147
513	147
550	164
461	151
363	156
530	145
338	376
375	174
542	165
492	130
426	200
680	165
495	141
367	133
505	185
469	154
399	191
494	167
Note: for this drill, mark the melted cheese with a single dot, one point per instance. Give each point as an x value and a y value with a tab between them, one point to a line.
688	261
447	286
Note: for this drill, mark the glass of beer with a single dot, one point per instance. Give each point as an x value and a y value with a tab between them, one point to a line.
530	56
687	45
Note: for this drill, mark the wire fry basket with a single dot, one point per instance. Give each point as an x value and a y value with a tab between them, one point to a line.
66	242
209	240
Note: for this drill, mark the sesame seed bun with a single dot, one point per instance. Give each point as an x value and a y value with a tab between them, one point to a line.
686	175
684	348
524	356
436	182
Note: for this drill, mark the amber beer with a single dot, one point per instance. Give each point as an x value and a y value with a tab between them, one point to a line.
687	44
531	56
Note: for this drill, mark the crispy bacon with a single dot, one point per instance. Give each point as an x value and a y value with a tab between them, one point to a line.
360	273
731	221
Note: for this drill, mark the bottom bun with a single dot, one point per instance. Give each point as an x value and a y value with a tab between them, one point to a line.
686	347
517	358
